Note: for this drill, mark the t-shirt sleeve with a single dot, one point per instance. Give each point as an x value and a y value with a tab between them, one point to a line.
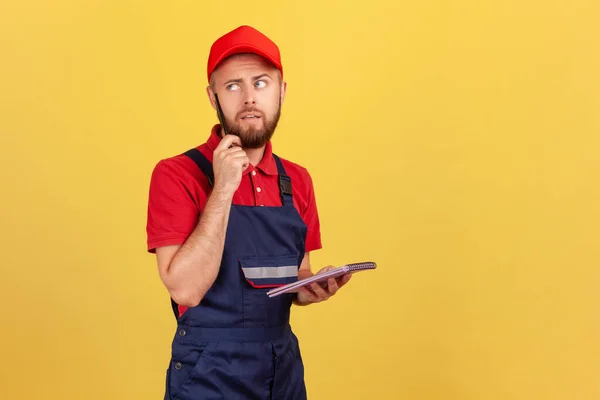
172	212
310	215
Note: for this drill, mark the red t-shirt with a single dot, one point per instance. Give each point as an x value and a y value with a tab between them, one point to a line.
179	191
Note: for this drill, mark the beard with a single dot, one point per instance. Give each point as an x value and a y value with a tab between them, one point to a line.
252	137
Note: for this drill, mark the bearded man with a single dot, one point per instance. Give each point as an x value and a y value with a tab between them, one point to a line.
228	220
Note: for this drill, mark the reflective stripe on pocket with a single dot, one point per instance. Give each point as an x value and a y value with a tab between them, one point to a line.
287	271
262	272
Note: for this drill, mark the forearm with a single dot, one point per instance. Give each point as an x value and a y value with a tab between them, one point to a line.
195	266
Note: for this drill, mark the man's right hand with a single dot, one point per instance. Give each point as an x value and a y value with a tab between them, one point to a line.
229	162
178	265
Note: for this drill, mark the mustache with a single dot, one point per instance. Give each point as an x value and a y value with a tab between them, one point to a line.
253	110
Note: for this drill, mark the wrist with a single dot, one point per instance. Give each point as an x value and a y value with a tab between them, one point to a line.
222	193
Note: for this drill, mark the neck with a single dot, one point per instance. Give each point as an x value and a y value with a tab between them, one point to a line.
255	155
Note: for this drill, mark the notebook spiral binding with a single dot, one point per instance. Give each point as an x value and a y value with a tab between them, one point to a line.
360	266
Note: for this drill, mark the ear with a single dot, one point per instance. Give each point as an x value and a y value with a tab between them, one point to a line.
211	97
283	91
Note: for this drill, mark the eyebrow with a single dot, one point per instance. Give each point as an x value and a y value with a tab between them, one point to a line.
239	80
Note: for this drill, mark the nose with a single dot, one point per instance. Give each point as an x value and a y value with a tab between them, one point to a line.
250	99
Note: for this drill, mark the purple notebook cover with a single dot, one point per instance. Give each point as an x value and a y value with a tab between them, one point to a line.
322	277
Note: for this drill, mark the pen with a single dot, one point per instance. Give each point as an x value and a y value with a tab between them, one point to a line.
220	115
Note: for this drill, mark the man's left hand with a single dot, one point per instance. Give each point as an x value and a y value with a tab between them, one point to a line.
318	292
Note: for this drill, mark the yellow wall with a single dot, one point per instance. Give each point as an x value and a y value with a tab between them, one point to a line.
470	133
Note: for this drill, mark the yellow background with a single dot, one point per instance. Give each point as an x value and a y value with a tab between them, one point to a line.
456	143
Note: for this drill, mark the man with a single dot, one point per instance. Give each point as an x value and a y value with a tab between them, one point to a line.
228	220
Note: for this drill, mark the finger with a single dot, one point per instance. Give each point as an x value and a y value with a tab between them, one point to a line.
343	280
319	291
233	140
309	295
308	289
229	140
332	286
236	158
240	159
235	155
227	152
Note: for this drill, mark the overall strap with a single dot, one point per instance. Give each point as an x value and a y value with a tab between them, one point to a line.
285	183
202	163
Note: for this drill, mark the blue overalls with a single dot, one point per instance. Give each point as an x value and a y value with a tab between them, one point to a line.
237	343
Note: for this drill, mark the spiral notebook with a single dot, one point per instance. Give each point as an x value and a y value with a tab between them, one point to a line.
322	277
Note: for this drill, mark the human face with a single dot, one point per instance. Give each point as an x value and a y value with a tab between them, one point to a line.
251	93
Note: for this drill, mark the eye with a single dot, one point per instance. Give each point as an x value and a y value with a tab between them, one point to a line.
260	84
233	86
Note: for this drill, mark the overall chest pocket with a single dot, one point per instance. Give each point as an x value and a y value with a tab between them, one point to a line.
260	274
269	271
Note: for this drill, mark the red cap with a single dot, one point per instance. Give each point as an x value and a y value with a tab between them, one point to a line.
243	39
